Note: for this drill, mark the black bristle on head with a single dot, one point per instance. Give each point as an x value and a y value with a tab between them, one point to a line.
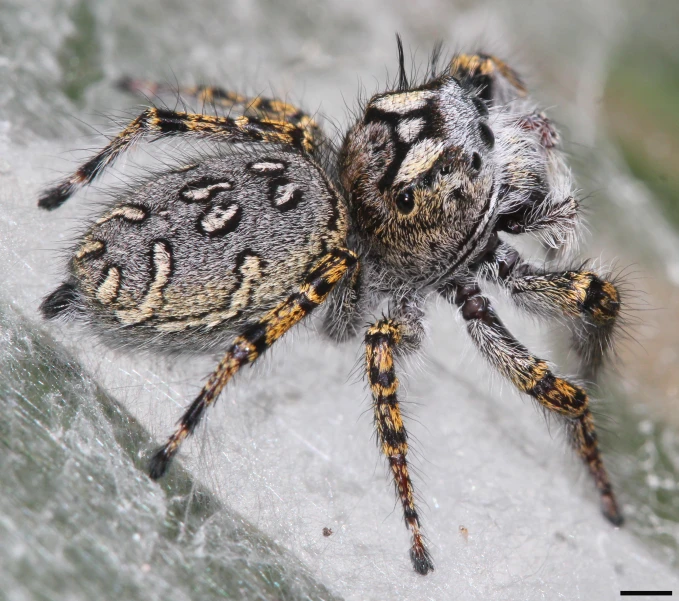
434	60
60	303
402	78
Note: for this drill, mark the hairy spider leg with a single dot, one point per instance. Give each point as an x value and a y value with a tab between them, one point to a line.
345	308
589	301
481	71
382	340
250	345
159	122
532	375
262	106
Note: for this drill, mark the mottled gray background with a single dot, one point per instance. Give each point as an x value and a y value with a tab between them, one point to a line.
288	451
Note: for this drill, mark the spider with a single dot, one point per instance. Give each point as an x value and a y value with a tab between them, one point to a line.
232	250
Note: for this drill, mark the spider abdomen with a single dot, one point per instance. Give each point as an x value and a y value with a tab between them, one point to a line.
191	256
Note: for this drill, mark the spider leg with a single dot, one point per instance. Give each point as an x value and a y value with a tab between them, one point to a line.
532	375
553	217
250	345
496	81
383	340
345	307
261	106
159	122
590	303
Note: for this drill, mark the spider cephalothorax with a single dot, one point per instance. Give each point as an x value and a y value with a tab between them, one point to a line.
233	250
420	171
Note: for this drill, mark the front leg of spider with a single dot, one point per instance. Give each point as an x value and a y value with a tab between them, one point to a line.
588	302
532	376
384	340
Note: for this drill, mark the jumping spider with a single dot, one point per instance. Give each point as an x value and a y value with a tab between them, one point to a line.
232	251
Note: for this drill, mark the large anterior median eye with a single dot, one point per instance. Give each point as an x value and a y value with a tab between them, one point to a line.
405	201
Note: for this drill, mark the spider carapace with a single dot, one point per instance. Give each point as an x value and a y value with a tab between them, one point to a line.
230	251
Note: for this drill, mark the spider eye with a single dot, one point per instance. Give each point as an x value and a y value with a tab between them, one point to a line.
405	201
476	161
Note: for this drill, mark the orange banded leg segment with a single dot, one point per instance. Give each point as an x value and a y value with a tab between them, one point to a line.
154	123
253	342
533	376
272	108
590	302
382	340
584	440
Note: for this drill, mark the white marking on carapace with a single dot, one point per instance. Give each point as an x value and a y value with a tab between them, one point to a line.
89	247
126	212
409	129
268	167
251	274
218	218
201	194
284	194
420	158
185	168
403	102
108	291
162	266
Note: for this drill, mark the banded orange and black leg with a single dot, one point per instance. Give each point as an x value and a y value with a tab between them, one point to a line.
382	342
214	96
253	342
533	376
589	301
155	123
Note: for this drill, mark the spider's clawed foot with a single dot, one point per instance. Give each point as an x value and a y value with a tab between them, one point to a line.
610	509
159	463
54	197
420	557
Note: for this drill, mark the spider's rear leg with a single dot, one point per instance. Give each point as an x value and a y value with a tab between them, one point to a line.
591	304
382	341
533	376
250	345
213	96
155	123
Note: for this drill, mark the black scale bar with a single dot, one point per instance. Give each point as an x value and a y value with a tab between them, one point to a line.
645	593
